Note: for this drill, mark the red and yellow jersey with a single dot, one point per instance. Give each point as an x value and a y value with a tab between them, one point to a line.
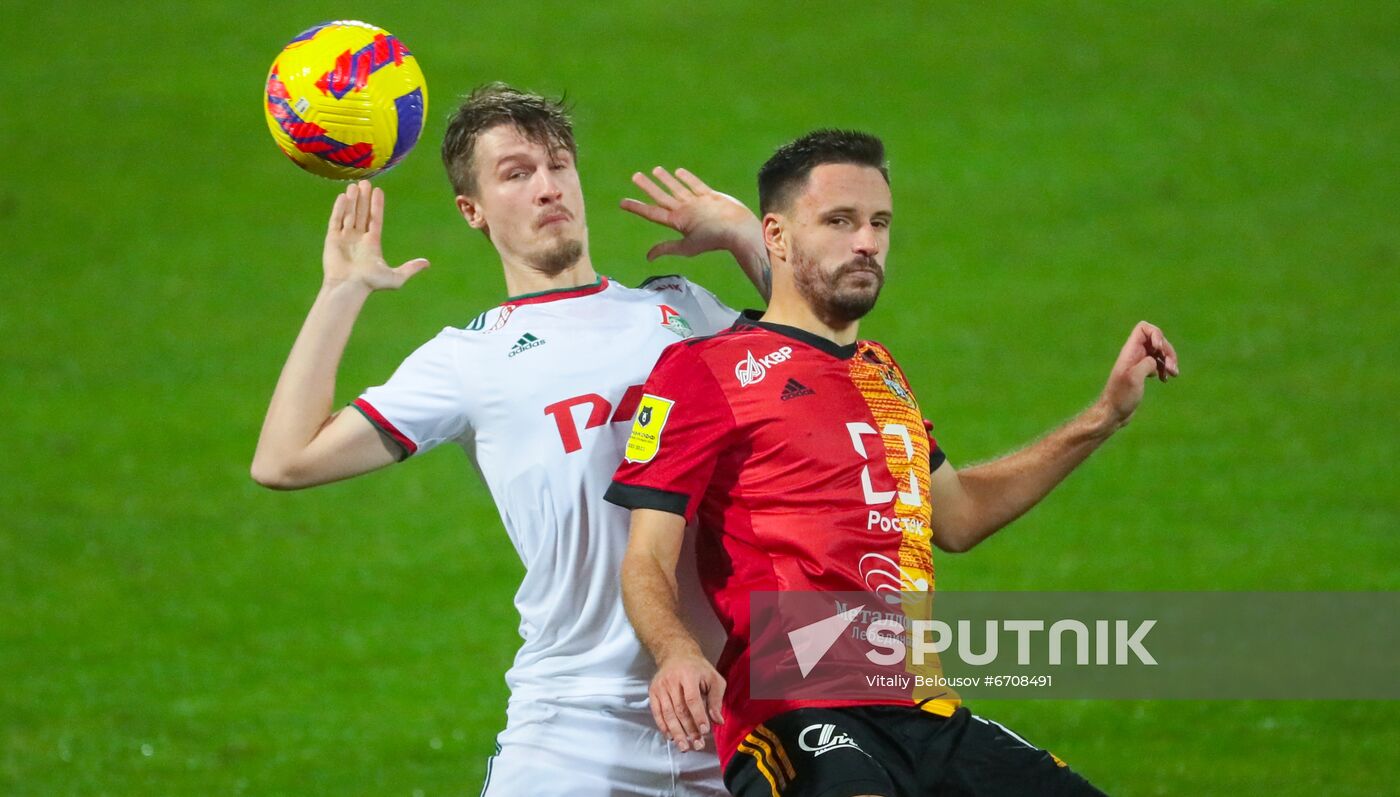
808	466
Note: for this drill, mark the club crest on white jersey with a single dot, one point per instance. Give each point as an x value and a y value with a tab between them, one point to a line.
674	321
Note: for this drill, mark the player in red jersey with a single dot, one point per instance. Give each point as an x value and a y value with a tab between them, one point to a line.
804	454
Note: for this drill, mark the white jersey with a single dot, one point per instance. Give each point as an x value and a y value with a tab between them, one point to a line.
540	393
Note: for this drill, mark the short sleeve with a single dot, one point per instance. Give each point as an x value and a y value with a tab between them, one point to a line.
936	457
702	310
681	428
423	403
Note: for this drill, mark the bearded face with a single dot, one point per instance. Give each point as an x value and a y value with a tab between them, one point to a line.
837	232
841	293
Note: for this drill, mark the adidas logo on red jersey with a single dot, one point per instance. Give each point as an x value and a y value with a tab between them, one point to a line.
795	389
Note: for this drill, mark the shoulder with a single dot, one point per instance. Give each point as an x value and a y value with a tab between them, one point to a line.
462	343
875	352
718	354
668	289
662	283
675	288
733	338
880	356
484	322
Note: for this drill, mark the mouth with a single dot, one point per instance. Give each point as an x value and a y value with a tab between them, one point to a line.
861	272
558	217
862	265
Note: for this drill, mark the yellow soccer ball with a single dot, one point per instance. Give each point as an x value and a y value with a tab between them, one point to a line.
345	100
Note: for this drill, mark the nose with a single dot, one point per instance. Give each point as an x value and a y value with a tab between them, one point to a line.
866	242
547	190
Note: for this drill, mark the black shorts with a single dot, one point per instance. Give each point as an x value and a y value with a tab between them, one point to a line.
893	751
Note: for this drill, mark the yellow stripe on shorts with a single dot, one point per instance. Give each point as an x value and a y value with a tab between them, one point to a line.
763	732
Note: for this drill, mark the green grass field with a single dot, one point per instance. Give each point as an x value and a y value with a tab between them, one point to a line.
1061	170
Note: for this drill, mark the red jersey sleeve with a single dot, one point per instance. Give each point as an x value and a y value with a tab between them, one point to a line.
681	427
936	457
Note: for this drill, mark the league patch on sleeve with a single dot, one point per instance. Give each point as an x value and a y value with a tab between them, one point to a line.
650	419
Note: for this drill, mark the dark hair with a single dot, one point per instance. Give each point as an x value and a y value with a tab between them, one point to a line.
540	119
787	170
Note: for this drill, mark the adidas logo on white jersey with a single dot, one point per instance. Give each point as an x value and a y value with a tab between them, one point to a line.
526	342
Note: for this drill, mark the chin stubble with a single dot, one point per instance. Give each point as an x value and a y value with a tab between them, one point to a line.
562	256
825	297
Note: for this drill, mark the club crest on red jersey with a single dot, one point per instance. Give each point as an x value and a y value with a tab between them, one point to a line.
896	386
751	369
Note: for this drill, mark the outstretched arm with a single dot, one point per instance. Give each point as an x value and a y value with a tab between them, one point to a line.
302	443
972	504
687	691
708	221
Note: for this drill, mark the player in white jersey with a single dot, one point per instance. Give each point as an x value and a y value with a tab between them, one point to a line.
539	392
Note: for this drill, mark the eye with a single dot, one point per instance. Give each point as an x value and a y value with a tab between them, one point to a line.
516	174
880	224
838	221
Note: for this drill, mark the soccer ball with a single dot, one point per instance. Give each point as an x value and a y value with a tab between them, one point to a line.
346	100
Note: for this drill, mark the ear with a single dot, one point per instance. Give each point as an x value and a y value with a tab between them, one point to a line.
471	211
775	236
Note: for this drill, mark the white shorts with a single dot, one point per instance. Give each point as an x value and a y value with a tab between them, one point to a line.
551	748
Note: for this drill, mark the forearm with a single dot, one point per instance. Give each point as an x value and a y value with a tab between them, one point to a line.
752	256
1002	490
302	401
649	597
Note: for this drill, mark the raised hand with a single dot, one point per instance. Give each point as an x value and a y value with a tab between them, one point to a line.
353	253
707	219
686	694
1147	351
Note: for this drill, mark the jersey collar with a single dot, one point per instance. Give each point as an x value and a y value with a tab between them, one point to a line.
555	294
750	318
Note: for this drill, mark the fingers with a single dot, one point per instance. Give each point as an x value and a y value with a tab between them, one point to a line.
412	268
683	700
1143	369
354	207
656	714
692	182
670	182
376	211
714	696
1173	365
363	199
672	724
672	247
347	219
1156	344
1133	350
651	213
1152	343
337	215
697	717
658	196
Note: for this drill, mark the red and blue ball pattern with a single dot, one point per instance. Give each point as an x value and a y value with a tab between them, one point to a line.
345	100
